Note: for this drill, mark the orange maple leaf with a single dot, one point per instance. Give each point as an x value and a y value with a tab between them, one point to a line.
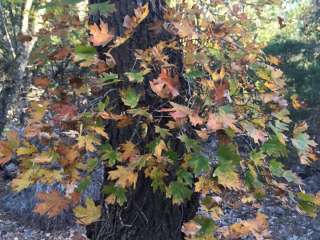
52	204
100	35
5	152
166	85
221	121
42	82
60	54
64	112
179	112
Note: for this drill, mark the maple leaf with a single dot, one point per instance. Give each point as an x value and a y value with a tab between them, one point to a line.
129	151
166	85
190	229
220	92
178	192
42	158
129	97
64	112
115	194
296	103
257	227
100	34
8	147
60	54
88	214
100	131
221	121
51	204
199	163
6	152
273	60
185	29
131	23
159	148
124	177
22	181
68	154
179	112
42	82
257	134
28	149
309	203
304	145
205	186
228	178
88	142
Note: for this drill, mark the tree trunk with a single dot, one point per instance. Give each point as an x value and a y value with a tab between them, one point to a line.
15	73
147	214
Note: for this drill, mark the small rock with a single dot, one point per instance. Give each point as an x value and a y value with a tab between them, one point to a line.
316	225
10	171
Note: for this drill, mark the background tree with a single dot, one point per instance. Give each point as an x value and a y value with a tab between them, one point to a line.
19	24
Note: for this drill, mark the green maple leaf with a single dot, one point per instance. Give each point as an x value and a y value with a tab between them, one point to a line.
83	184
130	97
92	164
228	153
277	170
273	147
104	8
308	203
135	77
178	192
199	163
84	53
302	142
118	192
109	154
191	145
185	177
227	176
207	225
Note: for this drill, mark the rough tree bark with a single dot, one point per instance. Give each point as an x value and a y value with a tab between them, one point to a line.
147	214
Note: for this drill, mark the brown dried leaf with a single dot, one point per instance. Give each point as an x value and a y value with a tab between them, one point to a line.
52	204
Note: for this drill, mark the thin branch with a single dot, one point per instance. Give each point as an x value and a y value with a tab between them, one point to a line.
7	32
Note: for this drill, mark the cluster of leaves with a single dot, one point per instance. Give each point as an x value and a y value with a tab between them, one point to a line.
234	91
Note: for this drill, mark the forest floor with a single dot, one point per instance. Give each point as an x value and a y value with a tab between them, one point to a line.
11	229
285	223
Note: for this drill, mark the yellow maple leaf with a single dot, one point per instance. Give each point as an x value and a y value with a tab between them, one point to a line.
129	150
87	142
42	158
124	177
88	214
257	227
273	60
100	131
23	181
161	146
27	150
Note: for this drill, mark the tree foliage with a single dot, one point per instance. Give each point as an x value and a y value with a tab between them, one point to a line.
228	88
